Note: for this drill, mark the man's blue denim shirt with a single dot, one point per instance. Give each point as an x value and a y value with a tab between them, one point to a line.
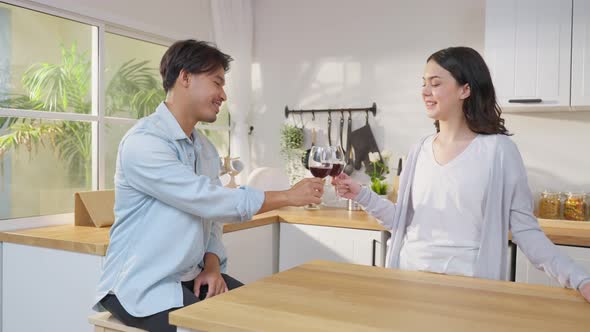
170	208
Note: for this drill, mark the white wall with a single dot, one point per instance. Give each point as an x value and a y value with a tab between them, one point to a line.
555	148
348	53
327	54
176	19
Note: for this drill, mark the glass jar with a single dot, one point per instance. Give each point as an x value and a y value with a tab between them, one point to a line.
550	205
574	207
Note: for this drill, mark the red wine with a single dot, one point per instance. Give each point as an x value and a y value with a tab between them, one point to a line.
336	169
320	172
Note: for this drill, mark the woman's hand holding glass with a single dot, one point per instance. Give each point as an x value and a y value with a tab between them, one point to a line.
346	187
338	163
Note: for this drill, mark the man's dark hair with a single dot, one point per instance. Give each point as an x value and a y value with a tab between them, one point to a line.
194	57
481	110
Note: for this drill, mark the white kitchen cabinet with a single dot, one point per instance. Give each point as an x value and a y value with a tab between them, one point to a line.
510	259
528	49
581	55
252	253
526	272
303	243
47	289
53	290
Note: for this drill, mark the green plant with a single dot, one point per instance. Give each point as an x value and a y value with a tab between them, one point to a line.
134	86
376	169
379	186
65	87
62	87
291	138
292	151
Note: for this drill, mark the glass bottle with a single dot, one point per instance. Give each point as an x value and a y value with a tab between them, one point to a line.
574	207
550	205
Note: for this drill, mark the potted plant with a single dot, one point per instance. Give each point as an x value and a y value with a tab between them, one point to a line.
377	169
292	151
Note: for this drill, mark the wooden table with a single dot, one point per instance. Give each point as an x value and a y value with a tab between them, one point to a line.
325	296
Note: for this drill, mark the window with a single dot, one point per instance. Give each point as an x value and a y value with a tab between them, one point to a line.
132	76
45	142
133	89
69	91
45	163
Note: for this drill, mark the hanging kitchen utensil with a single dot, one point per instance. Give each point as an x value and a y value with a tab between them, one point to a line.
363	142
305	158
329	128
341	130
395	183
349	168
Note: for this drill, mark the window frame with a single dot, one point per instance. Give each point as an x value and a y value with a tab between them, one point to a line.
97	117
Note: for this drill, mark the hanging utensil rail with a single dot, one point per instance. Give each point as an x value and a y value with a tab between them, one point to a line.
372	109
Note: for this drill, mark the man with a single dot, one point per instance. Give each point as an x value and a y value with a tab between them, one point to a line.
170	206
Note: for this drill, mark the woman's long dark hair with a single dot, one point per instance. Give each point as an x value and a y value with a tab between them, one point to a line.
481	110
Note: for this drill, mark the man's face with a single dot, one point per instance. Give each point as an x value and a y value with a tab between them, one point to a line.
206	94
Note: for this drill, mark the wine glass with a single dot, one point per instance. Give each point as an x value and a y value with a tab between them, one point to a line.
320	165
338	160
338	163
320	161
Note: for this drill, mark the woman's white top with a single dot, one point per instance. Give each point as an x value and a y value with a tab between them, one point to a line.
444	235
508	207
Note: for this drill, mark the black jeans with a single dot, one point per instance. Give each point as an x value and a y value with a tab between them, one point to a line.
159	322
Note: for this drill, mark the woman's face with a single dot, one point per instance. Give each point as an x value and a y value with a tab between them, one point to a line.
442	94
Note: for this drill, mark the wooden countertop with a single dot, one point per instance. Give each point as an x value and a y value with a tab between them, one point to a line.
323	217
88	240
565	232
92	240
95	241
327	296
330	217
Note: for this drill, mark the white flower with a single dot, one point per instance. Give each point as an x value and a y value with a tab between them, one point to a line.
386	154
373	157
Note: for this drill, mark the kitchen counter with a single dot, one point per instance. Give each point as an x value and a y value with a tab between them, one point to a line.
95	241
326	296
568	233
323	217
92	240
82	239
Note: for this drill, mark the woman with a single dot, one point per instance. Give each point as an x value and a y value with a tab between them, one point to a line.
465	187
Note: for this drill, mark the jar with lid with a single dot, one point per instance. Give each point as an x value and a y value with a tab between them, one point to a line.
550	205
574	207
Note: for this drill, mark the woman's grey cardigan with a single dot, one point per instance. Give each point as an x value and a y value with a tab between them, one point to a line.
508	208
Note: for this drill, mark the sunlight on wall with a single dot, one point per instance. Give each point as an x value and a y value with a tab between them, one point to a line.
333	78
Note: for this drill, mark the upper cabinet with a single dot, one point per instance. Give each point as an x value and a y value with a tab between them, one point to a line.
581	55
528	47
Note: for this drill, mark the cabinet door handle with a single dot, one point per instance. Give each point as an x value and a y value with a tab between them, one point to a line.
526	101
374	252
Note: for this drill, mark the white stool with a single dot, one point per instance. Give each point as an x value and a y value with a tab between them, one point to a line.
105	322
